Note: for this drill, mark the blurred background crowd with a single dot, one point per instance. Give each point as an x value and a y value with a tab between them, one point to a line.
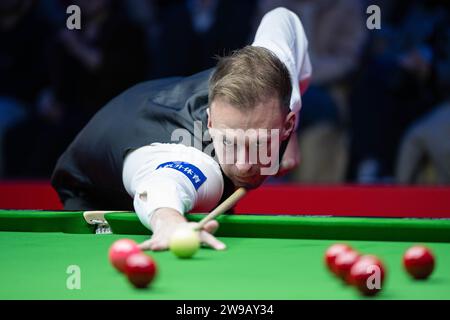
377	111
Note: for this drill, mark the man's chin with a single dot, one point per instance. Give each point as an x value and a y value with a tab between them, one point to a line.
247	185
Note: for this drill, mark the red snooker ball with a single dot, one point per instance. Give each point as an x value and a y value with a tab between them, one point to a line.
367	275
419	262
140	269
332	252
119	252
344	262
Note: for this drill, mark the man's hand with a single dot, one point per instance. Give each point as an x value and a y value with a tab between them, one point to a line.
291	157
165	221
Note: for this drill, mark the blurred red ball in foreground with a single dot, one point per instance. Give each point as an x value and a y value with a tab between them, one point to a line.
344	262
419	262
367	275
119	252
140	269
332	252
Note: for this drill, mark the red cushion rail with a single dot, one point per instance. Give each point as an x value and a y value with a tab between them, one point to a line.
381	201
28	195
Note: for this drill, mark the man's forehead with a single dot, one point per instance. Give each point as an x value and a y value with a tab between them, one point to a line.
265	115
250	134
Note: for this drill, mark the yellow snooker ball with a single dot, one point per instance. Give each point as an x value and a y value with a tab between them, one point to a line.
184	242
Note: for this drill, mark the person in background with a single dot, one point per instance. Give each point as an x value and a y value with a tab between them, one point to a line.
23	68
424	154
87	68
185	36
398	84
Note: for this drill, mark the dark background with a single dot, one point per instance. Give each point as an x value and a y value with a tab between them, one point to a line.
377	110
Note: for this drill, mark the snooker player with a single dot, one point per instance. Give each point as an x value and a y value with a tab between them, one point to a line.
129	156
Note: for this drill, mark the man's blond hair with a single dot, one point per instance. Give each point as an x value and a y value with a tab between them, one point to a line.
249	76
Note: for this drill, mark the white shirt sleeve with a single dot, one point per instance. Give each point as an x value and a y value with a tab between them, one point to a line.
171	176
281	31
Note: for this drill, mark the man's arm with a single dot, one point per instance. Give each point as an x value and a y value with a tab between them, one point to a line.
281	32
161	181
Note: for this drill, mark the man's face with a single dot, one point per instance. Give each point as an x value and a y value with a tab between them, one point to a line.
247	142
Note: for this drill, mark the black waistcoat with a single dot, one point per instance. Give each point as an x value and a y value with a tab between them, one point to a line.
149	112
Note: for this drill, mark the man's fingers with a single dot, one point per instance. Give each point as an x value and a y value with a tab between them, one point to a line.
146	245
289	164
211	226
211	241
160	245
160	242
285	167
154	244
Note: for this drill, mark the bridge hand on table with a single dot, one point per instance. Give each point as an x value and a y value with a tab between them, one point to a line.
161	236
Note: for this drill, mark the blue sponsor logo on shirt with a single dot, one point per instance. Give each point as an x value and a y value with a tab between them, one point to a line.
194	174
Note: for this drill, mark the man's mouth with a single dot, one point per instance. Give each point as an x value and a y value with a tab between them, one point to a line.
243	178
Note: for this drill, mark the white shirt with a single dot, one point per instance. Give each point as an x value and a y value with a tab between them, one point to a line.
171	176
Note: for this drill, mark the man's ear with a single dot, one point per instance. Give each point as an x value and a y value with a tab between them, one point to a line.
208	111
289	125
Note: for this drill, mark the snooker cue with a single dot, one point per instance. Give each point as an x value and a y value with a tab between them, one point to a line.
223	207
